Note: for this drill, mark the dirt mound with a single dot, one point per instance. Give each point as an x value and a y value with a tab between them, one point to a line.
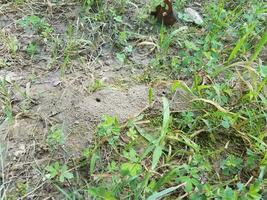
114	102
50	101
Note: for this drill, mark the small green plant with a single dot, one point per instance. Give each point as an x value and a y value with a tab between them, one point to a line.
55	137
166	39
101	193
98	84
121	57
22	189
32	49
109	128
231	165
19	2
70	49
58	172
90	3
179	4
36	24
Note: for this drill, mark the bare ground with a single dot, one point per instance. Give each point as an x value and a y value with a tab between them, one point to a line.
41	98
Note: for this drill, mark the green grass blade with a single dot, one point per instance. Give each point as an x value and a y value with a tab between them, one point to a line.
93	162
259	46
163	193
156	156
166	117
164	129
150	96
240	43
166	178
63	192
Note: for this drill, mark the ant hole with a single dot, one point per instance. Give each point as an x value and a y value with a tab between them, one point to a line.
98	100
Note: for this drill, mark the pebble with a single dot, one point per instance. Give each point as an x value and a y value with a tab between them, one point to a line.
194	15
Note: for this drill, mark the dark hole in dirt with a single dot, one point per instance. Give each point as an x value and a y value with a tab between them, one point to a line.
98	100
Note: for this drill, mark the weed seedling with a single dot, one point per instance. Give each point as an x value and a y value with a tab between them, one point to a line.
55	138
97	85
58	172
32	49
36	24
109	128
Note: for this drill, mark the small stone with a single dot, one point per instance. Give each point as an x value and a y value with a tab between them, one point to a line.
9	76
28	89
21	150
56	83
194	15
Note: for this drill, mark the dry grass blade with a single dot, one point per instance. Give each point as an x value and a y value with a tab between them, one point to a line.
216	105
2	170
